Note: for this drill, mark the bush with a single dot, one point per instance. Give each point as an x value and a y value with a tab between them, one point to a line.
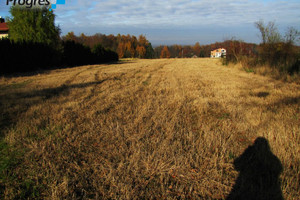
76	54
104	55
280	56
26	56
30	56
277	53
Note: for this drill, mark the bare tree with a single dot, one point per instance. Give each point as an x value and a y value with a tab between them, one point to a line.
292	35
261	27
269	33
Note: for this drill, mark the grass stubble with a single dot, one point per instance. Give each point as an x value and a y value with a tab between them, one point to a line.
143	129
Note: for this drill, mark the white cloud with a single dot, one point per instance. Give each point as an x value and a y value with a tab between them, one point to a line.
163	18
178	12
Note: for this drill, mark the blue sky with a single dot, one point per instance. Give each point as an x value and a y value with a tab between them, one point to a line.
174	21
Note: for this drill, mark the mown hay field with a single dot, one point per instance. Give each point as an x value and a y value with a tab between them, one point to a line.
142	129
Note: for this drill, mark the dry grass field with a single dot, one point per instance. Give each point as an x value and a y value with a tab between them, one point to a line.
142	129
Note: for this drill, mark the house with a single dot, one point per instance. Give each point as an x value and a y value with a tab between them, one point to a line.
3	28
218	53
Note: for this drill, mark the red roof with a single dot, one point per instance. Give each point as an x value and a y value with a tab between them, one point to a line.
3	27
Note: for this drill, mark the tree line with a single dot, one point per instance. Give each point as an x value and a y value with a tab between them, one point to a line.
127	46
188	51
34	43
130	46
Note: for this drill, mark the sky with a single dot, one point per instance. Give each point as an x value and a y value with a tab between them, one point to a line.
174	21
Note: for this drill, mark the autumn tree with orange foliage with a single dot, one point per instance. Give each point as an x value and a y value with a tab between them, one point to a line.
70	36
127	46
197	49
141	51
165	53
141	48
121	50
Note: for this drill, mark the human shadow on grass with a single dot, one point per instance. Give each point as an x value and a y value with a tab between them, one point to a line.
259	174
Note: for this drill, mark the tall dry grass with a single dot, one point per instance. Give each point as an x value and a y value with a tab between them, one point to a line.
143	129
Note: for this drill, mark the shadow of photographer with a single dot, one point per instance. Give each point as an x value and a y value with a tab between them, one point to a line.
259	171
